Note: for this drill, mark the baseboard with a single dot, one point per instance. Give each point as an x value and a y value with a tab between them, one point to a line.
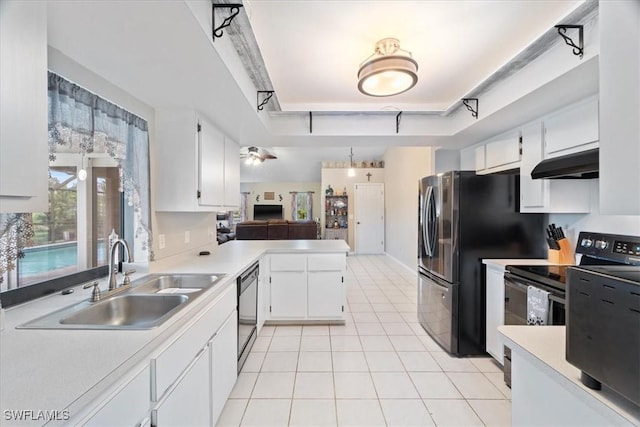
402	264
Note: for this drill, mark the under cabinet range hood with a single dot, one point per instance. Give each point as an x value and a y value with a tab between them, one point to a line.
582	165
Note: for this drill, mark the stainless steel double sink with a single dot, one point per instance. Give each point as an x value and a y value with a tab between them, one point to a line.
146	304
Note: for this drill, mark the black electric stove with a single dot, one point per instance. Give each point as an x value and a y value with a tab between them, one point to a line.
597	249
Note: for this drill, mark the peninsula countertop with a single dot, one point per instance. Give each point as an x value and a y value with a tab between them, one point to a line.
58	370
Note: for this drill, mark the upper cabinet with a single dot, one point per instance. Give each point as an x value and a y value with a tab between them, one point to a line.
197	167
497	154
547	195
619	107
572	129
24	161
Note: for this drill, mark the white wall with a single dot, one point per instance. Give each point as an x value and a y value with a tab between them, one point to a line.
280	188
340	181
404	166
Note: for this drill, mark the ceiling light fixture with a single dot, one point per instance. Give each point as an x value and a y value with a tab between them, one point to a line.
351	171
389	71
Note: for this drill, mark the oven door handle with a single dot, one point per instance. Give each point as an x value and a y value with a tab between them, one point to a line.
556	299
515	285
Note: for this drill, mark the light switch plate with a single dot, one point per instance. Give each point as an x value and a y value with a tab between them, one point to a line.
187	236
161	241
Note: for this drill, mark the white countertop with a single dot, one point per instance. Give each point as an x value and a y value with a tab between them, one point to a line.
67	369
546	346
501	263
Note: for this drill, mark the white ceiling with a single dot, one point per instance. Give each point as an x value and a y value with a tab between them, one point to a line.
157	52
312	49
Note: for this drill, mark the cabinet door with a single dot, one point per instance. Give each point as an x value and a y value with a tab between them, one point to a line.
231	173
495	311
187	402
224	364
532	191
264	291
128	406
480	158
288	294
210	165
326	294
503	150
572	128
24	160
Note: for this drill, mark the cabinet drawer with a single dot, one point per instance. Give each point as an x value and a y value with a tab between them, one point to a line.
326	262
128	405
288	262
168	365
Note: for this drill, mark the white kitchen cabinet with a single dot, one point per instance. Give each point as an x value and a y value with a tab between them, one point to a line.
264	291
497	154
619	107
572	129
480	159
307	287
325	294
548	195
174	358
503	151
495	311
224	364
194	171
128	405
231	173
187	401
288	294
24	158
210	165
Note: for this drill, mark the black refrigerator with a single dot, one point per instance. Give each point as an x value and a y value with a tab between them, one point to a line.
463	218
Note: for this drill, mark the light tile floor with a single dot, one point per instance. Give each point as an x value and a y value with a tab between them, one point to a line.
380	369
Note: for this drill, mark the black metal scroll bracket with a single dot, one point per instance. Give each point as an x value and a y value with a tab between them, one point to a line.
474	111
310	122
578	49
398	121
234	9
261	104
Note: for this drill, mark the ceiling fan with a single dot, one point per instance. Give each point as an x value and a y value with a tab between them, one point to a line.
255	155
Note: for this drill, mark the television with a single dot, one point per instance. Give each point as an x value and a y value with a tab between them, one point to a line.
263	212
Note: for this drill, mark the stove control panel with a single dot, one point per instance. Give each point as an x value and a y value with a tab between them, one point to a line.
630	248
611	247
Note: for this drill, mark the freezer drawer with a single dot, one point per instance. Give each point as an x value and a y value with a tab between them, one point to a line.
437	311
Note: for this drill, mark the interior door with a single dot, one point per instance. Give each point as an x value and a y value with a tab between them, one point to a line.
369	213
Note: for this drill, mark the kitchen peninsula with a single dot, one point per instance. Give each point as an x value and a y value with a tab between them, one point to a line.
81	376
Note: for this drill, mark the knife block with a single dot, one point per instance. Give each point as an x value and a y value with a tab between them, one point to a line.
564	255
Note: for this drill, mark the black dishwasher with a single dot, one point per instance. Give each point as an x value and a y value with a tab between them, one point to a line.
247	311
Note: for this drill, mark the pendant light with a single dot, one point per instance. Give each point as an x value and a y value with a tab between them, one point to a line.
388	71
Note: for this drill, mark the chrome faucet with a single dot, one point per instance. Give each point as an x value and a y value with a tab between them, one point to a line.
113	264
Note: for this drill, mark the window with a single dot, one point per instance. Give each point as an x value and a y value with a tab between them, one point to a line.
98	182
302	205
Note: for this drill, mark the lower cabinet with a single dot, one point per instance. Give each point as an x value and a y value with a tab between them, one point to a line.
129	405
288	294
495	311
307	287
186	403
224	364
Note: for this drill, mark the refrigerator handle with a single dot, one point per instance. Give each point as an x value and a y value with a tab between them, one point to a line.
426	226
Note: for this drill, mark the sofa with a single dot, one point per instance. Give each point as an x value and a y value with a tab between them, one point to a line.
276	229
